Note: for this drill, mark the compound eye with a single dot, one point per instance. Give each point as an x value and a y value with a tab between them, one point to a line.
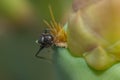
50	38
41	40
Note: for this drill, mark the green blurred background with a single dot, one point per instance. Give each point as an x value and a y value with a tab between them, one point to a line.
21	22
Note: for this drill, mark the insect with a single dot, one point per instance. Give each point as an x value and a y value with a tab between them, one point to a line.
54	36
45	41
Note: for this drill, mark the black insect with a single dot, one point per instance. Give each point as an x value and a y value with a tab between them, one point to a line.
45	41
54	36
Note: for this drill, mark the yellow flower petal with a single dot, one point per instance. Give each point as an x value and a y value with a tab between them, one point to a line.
104	19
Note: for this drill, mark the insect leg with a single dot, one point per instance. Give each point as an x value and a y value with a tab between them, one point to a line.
36	55
40	57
